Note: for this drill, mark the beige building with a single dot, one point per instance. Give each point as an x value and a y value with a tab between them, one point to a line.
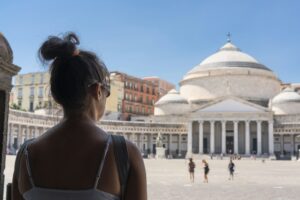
114	101
31	91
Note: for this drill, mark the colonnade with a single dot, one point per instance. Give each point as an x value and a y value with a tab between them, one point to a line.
18	133
22	133
235	136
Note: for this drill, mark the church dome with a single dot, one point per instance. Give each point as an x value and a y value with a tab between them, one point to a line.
287	95
286	102
5	50
172	97
228	56
171	103
230	72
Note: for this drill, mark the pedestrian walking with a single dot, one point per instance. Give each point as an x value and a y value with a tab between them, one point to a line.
192	169
231	168
206	170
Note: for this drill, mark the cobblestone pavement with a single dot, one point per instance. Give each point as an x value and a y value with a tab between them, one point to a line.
169	180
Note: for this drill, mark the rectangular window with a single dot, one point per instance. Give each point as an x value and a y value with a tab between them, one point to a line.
42	79
20	80
119	107
32	79
31	106
143	110
41	91
32	91
20	92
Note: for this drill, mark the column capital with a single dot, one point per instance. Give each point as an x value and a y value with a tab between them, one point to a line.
200	121
212	121
236	121
259	121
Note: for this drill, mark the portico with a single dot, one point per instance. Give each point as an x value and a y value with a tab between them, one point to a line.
231	125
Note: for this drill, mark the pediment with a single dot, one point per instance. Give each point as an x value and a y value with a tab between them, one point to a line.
235	105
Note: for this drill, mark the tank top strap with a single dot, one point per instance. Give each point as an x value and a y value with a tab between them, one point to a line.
28	165
102	162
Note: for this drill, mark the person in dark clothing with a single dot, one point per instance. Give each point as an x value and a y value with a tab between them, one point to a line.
192	169
206	170
231	168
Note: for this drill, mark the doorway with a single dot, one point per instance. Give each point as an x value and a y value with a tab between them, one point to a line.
229	144
254	145
205	145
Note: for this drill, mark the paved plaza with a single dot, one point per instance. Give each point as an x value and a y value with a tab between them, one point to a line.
168	180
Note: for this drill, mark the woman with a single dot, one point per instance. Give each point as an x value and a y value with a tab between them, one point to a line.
76	159
231	168
191	169
206	170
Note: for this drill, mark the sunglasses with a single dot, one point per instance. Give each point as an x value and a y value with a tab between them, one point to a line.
104	86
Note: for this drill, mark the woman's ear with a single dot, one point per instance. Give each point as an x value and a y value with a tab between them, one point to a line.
96	91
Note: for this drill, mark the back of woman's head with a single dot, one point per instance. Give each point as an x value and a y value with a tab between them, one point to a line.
72	70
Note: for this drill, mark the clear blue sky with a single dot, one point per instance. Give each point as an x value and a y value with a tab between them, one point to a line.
165	38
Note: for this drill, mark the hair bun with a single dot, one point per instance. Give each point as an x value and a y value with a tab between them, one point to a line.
56	47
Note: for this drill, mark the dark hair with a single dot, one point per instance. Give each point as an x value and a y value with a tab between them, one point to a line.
72	70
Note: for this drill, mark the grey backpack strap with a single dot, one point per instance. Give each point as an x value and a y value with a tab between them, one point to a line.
122	161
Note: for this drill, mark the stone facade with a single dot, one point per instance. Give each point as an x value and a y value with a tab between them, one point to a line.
7	71
230	103
24	125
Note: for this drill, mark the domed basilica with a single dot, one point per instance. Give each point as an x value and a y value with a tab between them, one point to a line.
232	104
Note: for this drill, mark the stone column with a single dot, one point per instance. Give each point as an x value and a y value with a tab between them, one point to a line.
128	136
236	137
180	148
212	137
132	138
293	144
31	132
170	143
281	144
200	137
10	135
247	142
20	136
271	138
149	142
142	141
224	137
26	132
258	137
190	142
36	129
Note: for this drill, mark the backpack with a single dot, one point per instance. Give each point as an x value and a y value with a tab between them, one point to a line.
122	160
